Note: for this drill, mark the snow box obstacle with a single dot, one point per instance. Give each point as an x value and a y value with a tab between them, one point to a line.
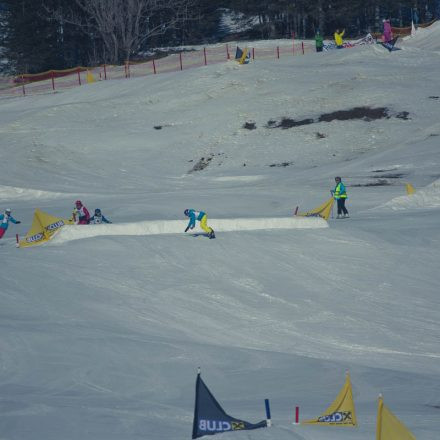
44	227
341	412
210	418
388	426
322	211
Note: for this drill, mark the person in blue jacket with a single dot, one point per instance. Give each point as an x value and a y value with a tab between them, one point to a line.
202	218
4	221
98	218
340	195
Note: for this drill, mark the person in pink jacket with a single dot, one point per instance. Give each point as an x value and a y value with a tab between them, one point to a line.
82	214
387	32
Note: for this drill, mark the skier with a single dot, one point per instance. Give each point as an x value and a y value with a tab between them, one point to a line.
98	218
202	218
319	41
82	213
338	38
340	195
4	221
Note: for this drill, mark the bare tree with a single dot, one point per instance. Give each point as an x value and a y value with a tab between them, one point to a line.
125	25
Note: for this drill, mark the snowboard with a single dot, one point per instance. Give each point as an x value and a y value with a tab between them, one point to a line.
204	234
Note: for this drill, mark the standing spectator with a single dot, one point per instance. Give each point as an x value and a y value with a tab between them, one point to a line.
82	213
338	39
4	221
340	195
319	41
387	32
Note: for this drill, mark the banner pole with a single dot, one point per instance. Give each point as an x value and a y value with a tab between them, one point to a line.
268	417
17	244
296	415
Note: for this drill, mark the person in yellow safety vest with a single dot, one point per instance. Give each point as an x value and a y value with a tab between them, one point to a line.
340	195
338	38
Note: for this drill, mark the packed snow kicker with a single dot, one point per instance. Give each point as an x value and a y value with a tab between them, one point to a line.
103	326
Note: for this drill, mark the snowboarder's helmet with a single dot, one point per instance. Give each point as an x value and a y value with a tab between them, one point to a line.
97	211
338	179
186	212
78	203
8	210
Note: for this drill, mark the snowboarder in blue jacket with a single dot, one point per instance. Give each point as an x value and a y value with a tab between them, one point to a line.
4	221
202	218
98	218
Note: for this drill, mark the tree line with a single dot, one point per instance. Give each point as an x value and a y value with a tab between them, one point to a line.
38	35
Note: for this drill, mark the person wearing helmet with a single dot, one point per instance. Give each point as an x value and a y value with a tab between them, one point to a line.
98	218
82	214
202	218
340	195
4	221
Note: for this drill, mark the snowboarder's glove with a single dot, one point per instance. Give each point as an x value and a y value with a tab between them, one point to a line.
17	222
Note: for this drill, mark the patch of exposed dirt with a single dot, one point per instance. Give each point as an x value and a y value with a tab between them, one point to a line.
384	171
282	164
320	135
356	113
365	113
434	97
250	125
379	182
203	162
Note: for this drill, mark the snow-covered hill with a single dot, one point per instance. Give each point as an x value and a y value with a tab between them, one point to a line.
101	337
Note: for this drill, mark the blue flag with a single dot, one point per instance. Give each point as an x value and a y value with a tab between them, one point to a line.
210	418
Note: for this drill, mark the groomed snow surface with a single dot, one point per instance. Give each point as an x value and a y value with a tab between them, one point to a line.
101	336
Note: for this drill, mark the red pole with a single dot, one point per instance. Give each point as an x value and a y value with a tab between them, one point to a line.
125	69
53	80
128	69
228	56
302	44
297	414
293	43
16	237
204	55
154	67
22	82
79	77
253	53
105	73
278	52
180	59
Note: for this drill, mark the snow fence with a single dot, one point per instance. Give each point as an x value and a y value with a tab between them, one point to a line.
157	227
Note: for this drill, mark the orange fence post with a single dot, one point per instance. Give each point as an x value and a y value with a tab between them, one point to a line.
53	80
228	56
154	67
302	45
253	53
278	52
180	59
79	76
105	73
204	55
22	85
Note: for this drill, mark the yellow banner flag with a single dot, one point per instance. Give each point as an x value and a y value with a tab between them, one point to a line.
410	189
43	227
323	210
341	412
389	427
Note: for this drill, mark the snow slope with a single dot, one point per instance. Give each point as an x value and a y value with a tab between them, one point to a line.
101	337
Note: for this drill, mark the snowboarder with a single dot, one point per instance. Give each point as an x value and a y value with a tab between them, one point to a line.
4	221
387	32
202	218
83	216
319	41
338	39
98	218
340	195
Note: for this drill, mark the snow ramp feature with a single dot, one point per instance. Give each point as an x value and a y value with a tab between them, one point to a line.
157	227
